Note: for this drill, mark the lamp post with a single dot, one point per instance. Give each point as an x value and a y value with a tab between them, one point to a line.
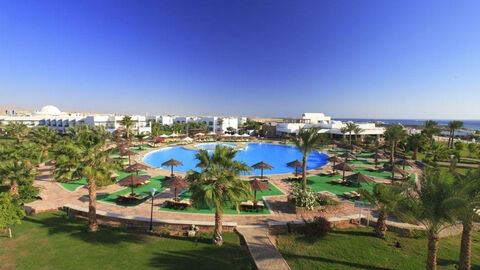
152	191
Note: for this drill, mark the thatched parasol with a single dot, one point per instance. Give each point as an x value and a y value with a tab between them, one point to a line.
394	169
295	164
334	159
262	165
137	167
175	182
128	153
258	185
172	162
133	180
405	162
348	155
360	178
344	167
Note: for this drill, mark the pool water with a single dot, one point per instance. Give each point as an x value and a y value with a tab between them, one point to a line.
276	155
211	146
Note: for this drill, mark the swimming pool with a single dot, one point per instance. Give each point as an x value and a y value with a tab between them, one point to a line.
276	155
211	146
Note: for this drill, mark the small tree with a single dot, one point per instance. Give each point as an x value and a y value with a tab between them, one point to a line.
11	212
16	130
472	149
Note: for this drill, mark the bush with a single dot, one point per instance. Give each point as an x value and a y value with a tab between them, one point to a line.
320	226
27	193
325	200
301	198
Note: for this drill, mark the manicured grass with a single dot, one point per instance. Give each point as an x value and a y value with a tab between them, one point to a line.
155	182
357	248
73	185
229	210
324	183
51	241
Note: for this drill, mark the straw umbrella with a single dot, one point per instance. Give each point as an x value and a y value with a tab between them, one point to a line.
344	166
348	155
137	167
334	159
360	178
258	185
377	156
129	153
394	169
262	165
175	182
295	164
172	162
133	180
405	162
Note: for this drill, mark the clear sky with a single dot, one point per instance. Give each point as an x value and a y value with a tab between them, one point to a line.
361	59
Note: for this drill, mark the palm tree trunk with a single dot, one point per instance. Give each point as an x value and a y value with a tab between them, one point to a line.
381	226
392	153
432	252
217	234
453	135
304	173
18	138
465	261
415	153
14	187
92	206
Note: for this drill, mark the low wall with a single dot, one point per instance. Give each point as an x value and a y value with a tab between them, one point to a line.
143	223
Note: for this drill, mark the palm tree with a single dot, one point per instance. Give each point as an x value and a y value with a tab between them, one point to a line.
344	130
394	134
415	142
472	149
17	130
82	155
45	138
452	126
17	172
430	129
433	205
307	141
438	151
127	122
385	199
350	128
357	130
469	187
217	184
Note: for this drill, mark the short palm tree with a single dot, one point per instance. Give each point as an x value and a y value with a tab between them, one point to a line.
434	205
44	138
82	155
350	129
217	184
394	134
438	151
127	122
357	131
307	141
469	186
385	199
344	130
415	142
453	126
16	130
430	129
17	172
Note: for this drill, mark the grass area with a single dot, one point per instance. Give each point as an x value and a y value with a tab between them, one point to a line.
357	248
381	174
51	241
155	182
322	183
73	185
229	210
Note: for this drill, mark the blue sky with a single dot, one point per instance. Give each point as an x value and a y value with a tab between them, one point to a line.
362	59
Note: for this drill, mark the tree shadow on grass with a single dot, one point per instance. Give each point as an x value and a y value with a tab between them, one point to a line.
447	262
354	265
77	228
355	233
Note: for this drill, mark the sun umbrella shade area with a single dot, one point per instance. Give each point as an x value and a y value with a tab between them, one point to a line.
172	162
348	155
295	164
136	167
262	165
360	178
334	159
258	185
175	182
128	153
345	167
134	180
396	169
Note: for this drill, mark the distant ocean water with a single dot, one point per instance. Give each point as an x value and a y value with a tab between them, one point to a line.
471	124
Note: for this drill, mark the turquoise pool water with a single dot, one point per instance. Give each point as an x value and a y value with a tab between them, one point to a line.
276	155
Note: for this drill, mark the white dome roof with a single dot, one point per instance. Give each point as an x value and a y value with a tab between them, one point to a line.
50	110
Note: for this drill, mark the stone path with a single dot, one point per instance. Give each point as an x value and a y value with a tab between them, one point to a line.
264	253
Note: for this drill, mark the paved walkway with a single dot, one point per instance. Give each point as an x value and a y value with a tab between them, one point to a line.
264	253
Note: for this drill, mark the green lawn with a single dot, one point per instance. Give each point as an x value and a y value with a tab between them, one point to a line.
322	183
73	185
155	182
229	210
50	241
357	248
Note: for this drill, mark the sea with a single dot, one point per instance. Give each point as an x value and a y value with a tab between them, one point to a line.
468	124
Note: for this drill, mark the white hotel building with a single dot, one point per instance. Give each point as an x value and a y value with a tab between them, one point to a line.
52	117
327	125
214	123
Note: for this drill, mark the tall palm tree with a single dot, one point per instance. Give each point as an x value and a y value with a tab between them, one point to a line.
415	142
350	129
433	204
44	138
344	130
385	199
394	134
430	129
17	130
127	122
453	126
307	141
469	187
357	130
218	184
83	155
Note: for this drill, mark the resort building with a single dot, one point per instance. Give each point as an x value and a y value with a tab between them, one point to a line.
214	123
327	125
53	118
